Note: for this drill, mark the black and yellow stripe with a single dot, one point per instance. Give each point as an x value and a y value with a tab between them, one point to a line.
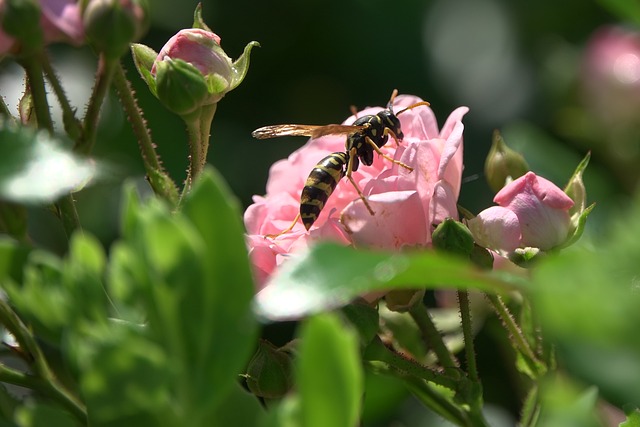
319	185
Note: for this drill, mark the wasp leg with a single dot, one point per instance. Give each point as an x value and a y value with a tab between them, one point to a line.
352	155
391	159
285	231
388	131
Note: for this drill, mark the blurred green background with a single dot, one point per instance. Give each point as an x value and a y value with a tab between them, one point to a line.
517	65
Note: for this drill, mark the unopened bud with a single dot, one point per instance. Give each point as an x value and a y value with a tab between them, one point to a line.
180	86
111	25
21	20
269	373
453	237
503	164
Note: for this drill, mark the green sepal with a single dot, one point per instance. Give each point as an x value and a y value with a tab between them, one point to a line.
241	65
579	228
198	22
181	87
575	188
143	58
503	164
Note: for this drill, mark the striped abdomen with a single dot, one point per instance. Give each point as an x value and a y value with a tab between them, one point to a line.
321	182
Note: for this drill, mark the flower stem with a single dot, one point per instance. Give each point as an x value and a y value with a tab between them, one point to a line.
84	145
467	332
33	68
432	399
378	351
516	336
44	380
72	125
194	129
66	206
159	180
432	336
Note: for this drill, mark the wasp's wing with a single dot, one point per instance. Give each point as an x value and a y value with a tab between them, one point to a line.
313	131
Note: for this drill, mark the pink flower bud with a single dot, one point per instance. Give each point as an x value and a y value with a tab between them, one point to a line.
197	47
532	212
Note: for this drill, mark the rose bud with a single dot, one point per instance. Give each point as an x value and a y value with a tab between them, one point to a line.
503	164
194	58
21	21
111	25
270	371
532	212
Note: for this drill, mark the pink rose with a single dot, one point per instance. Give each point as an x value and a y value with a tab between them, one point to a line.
61	21
532	212
406	204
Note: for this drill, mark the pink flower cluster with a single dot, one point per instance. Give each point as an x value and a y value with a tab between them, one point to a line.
61	21
406	203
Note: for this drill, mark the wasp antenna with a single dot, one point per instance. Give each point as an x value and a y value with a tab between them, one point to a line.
393	97
410	107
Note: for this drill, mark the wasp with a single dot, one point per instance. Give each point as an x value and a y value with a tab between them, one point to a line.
367	134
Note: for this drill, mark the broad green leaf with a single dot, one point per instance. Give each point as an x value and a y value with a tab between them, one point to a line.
35	168
221	305
329	276
587	300
329	375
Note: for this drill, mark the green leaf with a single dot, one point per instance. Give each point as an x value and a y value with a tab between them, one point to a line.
633	418
562	403
330	377
221	305
110	358
330	276
588	303
35	168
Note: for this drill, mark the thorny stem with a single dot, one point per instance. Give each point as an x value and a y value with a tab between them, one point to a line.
378	351
72	126
32	65
90	123
158	178
33	68
432	336
196	162
467	332
518	340
44	380
435	401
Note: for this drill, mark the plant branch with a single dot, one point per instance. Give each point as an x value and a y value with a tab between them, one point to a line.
161	183
90	123
467	332
44	380
432	336
72	125
516	336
